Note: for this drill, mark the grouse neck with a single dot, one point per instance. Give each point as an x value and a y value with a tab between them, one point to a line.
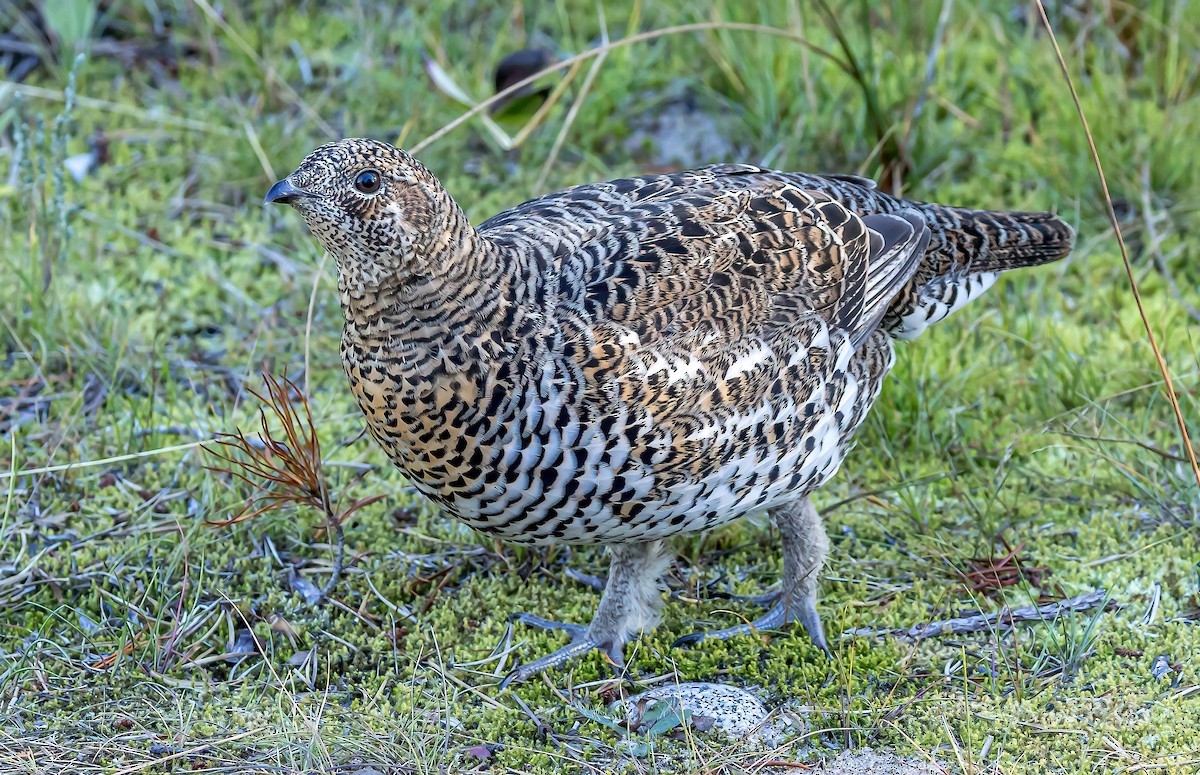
472	301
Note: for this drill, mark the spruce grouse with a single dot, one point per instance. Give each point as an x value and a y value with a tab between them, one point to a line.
622	362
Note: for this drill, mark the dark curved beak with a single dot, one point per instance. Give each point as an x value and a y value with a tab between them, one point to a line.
284	192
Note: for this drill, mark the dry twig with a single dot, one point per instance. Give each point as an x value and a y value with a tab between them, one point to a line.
1003	618
284	471
989	575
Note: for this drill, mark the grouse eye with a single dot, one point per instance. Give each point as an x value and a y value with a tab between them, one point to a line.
367	181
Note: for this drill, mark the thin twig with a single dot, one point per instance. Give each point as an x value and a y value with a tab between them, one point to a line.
542	727
338	560
980	622
1116	440
1116	225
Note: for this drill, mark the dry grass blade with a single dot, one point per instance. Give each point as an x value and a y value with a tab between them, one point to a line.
284	466
249	51
104	461
893	156
1112	217
575	106
1155	247
157	117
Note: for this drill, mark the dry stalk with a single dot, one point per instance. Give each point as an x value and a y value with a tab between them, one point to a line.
284	466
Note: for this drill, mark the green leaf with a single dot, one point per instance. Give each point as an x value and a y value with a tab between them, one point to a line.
522	108
669	718
71	22
601	719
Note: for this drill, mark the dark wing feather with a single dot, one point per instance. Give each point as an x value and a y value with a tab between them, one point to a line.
895	256
727	286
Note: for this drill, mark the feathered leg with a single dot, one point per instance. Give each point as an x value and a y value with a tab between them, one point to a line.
804	548
631	602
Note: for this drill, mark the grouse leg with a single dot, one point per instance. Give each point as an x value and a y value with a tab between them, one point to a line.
631	602
804	548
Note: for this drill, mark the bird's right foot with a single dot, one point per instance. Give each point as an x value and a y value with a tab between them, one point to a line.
629	604
800	608
582	641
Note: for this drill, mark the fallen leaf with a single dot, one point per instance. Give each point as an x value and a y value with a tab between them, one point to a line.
514	68
87	624
299	658
304	587
281	625
481	751
245	643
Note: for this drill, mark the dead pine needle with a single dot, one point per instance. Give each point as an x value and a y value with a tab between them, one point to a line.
282	463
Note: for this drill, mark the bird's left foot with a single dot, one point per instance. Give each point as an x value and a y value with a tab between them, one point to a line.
804	549
582	641
801	609
629	604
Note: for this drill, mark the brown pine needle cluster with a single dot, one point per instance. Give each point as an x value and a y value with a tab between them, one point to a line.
284	466
990	575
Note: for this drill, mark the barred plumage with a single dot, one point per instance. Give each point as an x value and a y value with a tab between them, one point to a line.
625	361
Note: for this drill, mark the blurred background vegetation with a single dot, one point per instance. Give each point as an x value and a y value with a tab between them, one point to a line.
1024	451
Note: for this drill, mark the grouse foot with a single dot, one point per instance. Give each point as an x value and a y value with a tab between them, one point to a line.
581	643
804	549
780	614
631	602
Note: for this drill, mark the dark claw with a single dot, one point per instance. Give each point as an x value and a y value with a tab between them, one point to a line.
687	641
513	676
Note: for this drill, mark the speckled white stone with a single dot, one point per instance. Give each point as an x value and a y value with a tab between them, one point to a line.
737	712
865	761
